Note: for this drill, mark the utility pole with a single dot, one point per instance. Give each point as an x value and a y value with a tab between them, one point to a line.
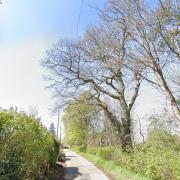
58	124
59	127
60	137
58	133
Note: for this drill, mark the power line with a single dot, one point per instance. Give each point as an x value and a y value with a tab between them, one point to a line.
79	16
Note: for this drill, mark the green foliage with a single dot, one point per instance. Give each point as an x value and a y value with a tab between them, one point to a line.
27	149
77	120
106	152
158	158
82	148
92	150
109	166
103	152
163	140
61	156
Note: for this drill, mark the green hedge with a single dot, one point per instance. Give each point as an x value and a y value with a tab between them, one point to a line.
27	149
103	152
106	152
157	159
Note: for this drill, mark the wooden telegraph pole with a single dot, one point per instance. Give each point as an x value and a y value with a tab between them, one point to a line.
58	124
59	128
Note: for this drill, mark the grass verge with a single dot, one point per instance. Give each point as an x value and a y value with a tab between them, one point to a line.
110	168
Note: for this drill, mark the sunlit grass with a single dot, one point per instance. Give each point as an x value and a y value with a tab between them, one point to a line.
111	168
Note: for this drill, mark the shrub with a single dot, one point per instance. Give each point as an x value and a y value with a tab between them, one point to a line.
163	139
61	156
153	159
103	152
93	150
27	149
106	152
82	148
157	159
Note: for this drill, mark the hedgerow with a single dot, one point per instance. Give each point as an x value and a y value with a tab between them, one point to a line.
157	159
27	149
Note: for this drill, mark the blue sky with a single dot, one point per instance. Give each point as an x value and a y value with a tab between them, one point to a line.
56	18
27	29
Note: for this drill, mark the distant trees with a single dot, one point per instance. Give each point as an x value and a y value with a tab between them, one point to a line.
132	43
52	129
34	112
86	126
77	121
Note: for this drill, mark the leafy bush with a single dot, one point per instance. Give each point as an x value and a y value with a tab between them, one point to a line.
163	140
93	150
27	149
106	152
103	152
157	159
61	156
82	148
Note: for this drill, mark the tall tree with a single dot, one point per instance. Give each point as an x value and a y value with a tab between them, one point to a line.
97	63
154	38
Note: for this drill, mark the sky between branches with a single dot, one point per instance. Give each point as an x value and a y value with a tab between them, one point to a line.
27	30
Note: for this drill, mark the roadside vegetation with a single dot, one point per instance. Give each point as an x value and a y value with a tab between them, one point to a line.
98	78
134	45
111	169
157	158
27	149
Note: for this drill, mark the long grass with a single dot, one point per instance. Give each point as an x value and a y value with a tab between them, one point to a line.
110	168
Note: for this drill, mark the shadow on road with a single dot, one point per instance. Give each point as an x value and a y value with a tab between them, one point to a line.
71	156
57	173
68	158
71	173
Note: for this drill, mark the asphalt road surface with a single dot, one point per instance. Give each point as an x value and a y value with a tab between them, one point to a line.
79	168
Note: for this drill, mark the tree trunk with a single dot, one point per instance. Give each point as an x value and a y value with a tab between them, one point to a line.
126	139
124	130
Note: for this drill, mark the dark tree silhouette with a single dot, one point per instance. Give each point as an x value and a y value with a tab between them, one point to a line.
52	128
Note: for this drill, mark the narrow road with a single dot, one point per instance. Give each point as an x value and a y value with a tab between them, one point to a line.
80	168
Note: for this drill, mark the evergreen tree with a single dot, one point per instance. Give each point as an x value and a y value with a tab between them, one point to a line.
52	128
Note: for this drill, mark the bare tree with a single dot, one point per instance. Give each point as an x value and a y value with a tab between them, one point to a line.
174	79
141	130
154	36
97	63
33	111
